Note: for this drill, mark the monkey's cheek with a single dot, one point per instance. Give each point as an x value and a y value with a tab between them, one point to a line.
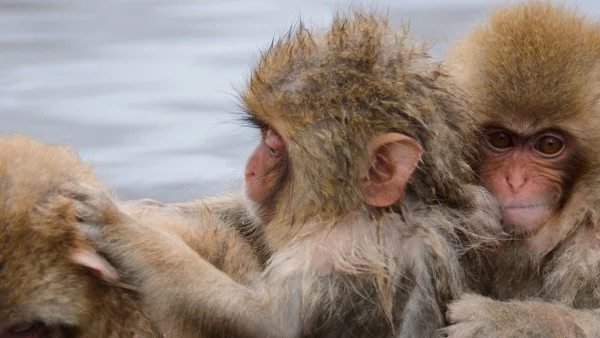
522	220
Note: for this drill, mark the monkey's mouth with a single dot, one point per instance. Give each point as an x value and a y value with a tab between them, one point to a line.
523	217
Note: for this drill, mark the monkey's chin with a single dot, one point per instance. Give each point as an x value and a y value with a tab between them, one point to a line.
522	220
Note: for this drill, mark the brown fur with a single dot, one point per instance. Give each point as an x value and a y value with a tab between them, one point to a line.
38	231
533	66
337	267
221	230
381	85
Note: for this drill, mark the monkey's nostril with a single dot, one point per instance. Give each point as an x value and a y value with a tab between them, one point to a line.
249	175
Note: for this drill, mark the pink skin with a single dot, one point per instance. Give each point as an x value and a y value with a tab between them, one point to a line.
525	180
394	158
260	176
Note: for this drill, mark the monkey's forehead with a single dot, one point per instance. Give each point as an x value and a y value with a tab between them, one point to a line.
359	67
535	60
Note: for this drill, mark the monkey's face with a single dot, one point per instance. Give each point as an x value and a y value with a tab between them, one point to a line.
526	173
265	166
381	175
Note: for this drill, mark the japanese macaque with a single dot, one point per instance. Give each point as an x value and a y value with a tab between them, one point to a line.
53	284
533	75
360	189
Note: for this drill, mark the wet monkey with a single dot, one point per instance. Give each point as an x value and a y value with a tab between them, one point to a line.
532	75
360	188
53	284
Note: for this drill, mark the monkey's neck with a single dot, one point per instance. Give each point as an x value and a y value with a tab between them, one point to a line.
281	232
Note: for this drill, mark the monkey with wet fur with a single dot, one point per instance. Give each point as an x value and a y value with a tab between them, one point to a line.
362	189
533	76
52	282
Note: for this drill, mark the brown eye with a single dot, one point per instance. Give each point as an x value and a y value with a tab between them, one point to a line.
500	140
549	145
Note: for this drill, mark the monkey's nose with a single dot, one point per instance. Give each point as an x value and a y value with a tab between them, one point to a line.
248	175
516	181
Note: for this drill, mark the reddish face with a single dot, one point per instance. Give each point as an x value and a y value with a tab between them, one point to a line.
525	173
265	166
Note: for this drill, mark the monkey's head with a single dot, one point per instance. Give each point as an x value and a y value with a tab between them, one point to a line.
533	78
52	283
346	117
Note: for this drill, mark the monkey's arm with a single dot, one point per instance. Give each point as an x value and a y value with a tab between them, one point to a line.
190	294
215	228
477	316
182	291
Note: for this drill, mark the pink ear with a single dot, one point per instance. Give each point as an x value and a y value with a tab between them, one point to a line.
94	264
394	157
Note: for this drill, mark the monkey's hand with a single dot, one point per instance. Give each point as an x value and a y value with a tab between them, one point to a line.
91	204
116	234
477	316
93	208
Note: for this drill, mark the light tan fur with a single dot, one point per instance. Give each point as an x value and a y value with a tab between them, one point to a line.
536	65
58	292
220	230
38	233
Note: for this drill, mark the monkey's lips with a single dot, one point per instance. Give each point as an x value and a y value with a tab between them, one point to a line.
522	218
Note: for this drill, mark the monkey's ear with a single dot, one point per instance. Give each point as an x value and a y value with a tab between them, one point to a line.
394	157
94	264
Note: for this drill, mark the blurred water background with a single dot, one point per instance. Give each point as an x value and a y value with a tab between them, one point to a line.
146	89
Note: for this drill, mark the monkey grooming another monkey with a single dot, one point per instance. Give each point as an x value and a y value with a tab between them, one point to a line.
219	229
533	75
53	284
360	186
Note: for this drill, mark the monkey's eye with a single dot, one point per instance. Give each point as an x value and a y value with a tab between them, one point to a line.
26	329
499	140
549	145
274	142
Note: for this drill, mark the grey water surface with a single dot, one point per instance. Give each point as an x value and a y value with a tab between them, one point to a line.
146	89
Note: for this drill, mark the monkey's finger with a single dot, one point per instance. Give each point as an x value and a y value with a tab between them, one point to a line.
87	213
91	204
80	191
90	232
